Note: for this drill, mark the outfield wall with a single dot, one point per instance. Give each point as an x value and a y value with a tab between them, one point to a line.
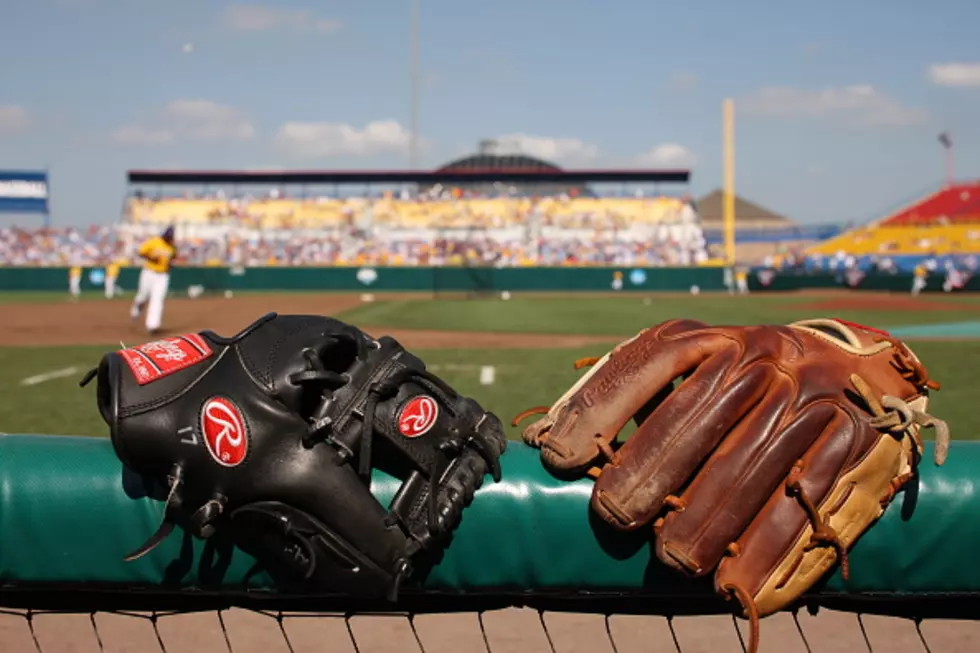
388	279
464	279
901	283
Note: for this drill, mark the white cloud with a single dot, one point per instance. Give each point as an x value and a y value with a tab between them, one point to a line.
956	73
860	104
666	156
188	120
684	81
328	139
207	120
547	148
13	118
135	134
259	18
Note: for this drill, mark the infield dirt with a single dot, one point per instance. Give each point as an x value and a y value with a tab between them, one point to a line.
98	323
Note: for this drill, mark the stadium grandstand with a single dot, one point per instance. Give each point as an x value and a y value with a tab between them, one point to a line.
484	209
760	233
939	230
490	209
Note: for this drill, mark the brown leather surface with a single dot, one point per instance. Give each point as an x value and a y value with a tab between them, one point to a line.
736	408
512	629
781	520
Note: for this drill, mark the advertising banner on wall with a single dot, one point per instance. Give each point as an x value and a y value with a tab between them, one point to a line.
23	191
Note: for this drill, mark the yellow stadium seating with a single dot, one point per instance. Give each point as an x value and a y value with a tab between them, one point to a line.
265	213
392	212
926	240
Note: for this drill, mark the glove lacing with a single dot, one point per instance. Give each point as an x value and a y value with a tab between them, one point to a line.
535	440
890	415
321	429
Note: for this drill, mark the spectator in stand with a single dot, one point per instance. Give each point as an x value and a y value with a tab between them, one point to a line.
442	227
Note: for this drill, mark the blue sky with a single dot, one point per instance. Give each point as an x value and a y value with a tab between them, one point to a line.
839	104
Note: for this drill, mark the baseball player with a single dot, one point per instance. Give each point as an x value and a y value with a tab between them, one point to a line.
111	275
919	277
75	282
158	254
742	281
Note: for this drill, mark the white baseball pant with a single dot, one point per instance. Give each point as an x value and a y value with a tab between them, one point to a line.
110	287
153	287
918	284
75	286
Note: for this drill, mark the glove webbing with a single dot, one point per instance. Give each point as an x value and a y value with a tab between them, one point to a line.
322	426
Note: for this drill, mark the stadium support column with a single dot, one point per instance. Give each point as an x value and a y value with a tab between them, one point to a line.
728	207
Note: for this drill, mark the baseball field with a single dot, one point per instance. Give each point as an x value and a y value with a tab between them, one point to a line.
510	354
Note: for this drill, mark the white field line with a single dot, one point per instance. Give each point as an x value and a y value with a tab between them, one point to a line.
452	367
47	376
488	373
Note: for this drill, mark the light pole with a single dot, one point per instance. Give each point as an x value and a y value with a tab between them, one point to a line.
414	128
947	143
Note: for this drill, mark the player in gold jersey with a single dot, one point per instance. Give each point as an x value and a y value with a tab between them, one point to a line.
158	254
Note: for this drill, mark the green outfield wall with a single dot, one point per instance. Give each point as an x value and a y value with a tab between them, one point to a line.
902	283
387	279
461	279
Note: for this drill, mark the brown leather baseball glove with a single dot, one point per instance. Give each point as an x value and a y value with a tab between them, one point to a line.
777	449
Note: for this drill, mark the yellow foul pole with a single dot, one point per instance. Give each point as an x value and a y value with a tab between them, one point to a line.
728	206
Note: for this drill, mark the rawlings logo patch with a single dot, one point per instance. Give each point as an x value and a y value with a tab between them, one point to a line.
418	416
154	360
224	431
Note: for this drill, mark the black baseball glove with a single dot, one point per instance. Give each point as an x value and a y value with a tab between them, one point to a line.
271	436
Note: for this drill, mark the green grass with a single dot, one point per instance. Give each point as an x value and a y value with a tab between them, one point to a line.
627	315
59	406
523	379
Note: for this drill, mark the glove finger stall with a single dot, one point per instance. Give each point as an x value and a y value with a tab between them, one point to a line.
773	560
616	390
671	444
737	480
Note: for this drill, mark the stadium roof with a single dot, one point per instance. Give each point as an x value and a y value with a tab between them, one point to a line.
464	171
485	161
710	208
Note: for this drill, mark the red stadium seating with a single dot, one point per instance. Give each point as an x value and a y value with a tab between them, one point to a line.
958	203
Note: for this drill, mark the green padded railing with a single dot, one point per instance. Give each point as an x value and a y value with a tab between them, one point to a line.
67	517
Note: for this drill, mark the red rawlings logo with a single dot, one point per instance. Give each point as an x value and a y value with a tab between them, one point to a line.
224	431
418	416
155	360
